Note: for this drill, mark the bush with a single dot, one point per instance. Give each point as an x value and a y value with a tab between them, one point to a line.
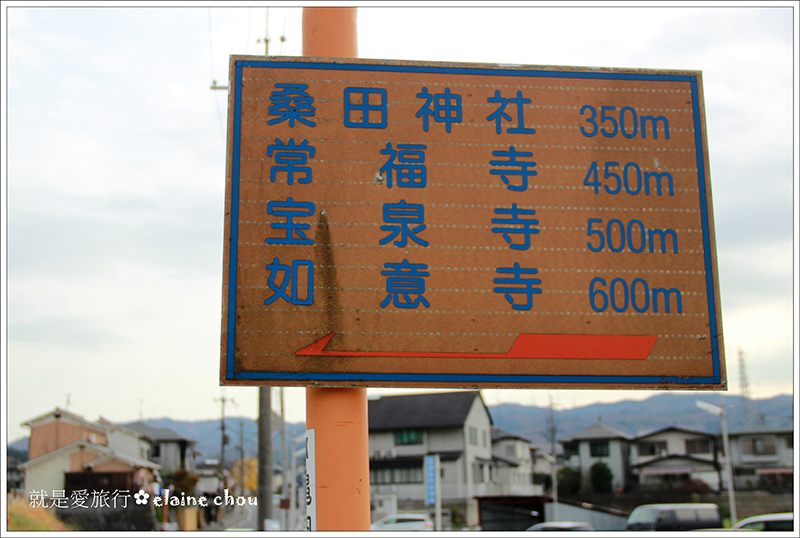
569	481
23	517
694	485
601	477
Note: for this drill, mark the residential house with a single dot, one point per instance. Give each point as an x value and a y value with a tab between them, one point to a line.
514	458
60	428
125	440
456	426
763	457
676	457
69	453
168	448
599	443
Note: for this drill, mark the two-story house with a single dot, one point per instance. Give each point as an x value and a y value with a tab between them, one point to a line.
125	440
599	443
168	448
69	453
514	459
763	457
673	456
455	425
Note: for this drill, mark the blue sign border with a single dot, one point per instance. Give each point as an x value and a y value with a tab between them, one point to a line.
339	379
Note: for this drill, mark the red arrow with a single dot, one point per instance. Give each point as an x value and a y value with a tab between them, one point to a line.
526	346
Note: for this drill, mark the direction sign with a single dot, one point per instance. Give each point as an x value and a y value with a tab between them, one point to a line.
461	225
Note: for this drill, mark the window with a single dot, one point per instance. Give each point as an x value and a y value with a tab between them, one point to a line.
698	446
570	450
473	436
483	436
399	475
477	473
653	448
408	437
598	449
510	451
758	445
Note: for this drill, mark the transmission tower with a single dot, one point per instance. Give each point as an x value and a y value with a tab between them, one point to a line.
551	428
744	390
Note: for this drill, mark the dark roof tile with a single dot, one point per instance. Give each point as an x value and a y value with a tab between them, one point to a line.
422	411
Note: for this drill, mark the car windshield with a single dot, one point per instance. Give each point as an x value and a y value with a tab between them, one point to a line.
643	515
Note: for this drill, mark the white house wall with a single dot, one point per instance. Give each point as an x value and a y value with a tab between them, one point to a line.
477	418
169	457
127	444
449	440
47	475
381	443
617	455
676	445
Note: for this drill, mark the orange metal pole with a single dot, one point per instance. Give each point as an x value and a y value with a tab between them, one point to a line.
330	32
337	416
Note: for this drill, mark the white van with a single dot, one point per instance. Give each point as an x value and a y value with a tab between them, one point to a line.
674	517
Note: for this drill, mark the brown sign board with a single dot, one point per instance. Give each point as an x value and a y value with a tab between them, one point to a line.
400	224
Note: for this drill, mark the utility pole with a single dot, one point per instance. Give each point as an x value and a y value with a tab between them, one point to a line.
265	419
223	400
284	466
264	399
241	453
264	456
551	427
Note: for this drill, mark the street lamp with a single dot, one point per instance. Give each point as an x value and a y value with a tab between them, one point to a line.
553	469
720	412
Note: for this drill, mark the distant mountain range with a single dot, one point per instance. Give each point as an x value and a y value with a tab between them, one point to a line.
632	417
639	417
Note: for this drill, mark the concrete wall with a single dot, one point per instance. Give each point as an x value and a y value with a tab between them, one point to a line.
600	521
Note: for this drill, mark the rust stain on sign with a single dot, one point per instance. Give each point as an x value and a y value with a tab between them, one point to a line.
465	225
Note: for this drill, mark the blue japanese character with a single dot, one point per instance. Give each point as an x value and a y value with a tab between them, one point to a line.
499	114
360	102
403	281
292	104
446	108
409	168
290	156
523	172
519	285
286	277
290	209
517	225
400	217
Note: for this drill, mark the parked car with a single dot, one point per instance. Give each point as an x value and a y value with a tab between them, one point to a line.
674	517
404	522
767	522
561	526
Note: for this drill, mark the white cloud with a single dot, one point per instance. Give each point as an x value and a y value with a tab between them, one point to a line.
762	329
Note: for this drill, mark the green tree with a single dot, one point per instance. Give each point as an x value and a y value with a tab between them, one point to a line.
601	477
569	481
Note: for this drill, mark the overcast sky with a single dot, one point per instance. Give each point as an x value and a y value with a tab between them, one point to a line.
114	176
